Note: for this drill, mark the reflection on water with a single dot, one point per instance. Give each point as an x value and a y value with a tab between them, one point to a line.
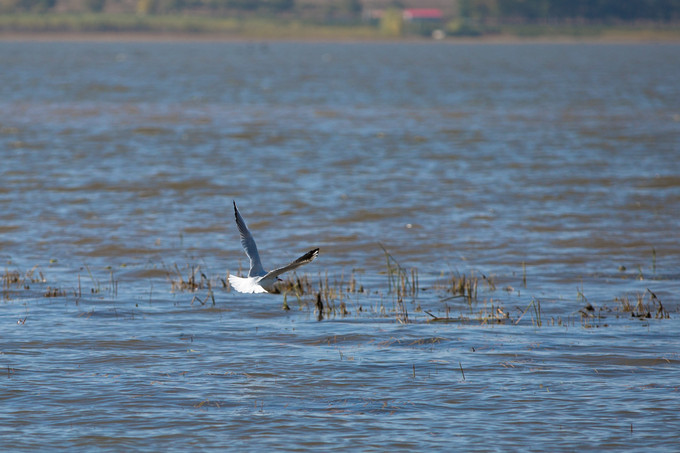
546	173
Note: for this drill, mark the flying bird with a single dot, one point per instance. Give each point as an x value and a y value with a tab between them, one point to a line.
259	280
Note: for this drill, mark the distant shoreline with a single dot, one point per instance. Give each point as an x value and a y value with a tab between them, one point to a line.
159	36
133	27
166	28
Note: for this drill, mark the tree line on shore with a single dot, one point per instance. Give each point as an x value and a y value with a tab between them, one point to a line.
561	10
518	11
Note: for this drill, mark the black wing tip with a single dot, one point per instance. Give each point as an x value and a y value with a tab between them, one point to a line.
311	254
308	257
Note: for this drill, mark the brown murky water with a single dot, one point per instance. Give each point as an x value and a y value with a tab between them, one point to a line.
549	175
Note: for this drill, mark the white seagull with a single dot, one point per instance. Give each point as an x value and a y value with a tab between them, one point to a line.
259	280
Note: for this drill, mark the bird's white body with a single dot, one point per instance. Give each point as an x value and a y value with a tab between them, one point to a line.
252	284
259	280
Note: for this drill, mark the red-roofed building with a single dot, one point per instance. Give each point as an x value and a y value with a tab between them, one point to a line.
423	14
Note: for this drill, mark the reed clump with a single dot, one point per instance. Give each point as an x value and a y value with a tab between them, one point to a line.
54	292
401	312
644	305
14	281
10	278
194	281
327	298
15	278
330	298
299	287
296	285
463	286
402	281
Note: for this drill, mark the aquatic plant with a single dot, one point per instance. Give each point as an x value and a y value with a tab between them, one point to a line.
195	280
398	278
55	292
96	286
401	312
453	297
327	298
488	313
643	307
535	305
16	278
462	286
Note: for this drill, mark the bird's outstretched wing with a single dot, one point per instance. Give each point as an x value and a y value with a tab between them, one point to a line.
248	243
304	259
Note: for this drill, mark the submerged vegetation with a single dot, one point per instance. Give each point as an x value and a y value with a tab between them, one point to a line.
645	305
14	278
452	298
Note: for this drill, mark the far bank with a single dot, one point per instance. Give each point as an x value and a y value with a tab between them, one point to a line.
126	27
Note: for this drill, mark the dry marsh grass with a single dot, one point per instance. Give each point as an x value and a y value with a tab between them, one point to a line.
16	278
196	280
397	295
402	281
644	305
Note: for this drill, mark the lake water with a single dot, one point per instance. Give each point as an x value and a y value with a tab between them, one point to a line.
545	175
